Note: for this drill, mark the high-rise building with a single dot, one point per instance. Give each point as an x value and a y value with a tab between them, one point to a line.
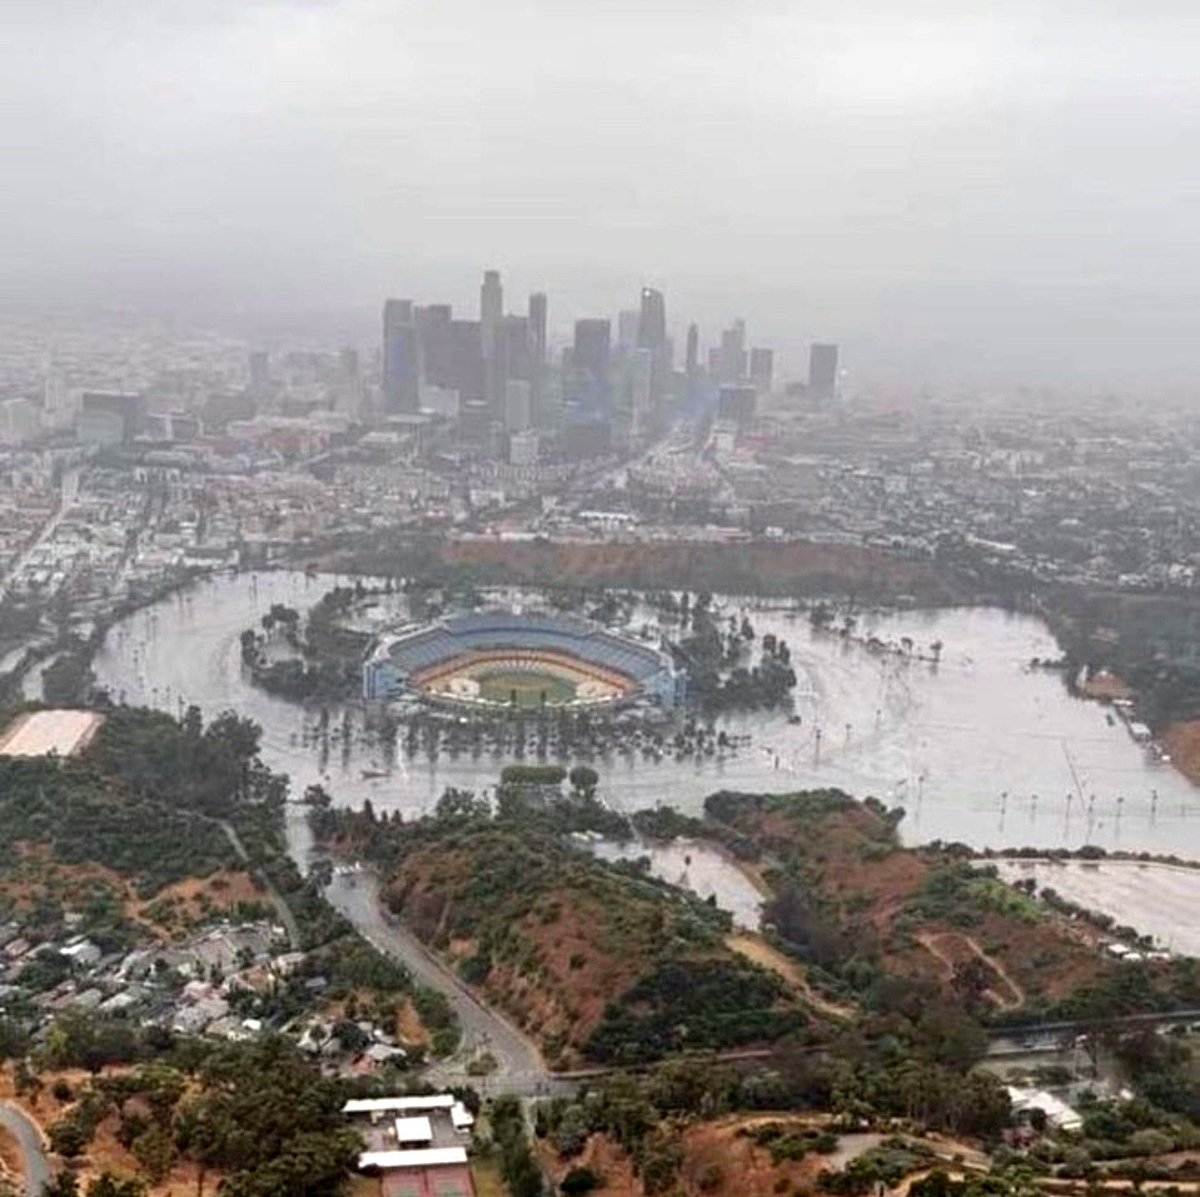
433	332
627	329
518	405
466	360
537	352
762	368
693	351
110	417
642	392
491	311
509	360
349	384
20	421
590	352
822	372
537	328
733	353
401	358
652	319
652	335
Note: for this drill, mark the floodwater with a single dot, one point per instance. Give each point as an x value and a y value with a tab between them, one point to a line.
689	864
977	747
1158	899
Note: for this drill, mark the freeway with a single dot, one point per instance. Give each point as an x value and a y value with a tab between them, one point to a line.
519	1065
29	1138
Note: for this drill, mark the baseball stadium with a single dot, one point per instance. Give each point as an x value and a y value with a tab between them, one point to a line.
519	661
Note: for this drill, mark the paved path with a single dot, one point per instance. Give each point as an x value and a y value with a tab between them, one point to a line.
29	1137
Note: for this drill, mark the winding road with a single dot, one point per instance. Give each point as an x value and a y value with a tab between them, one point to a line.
519	1065
29	1138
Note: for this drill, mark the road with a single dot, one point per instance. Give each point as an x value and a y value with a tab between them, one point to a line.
286	918
68	490
519	1065
29	1137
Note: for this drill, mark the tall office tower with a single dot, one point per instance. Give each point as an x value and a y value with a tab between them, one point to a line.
349	384
693	351
733	353
652	335
491	311
592	345
401	358
260	371
642	392
652	319
537	327
822	372
433	335
537	352
762	368
510	359
518	405
513	347
627	330
466	360
590	367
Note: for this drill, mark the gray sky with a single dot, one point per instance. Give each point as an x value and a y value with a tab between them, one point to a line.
949	187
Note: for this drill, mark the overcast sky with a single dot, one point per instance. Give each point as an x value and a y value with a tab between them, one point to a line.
949	187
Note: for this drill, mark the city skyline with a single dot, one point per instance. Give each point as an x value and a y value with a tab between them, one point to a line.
962	193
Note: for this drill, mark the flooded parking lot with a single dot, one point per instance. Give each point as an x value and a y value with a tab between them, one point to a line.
977	747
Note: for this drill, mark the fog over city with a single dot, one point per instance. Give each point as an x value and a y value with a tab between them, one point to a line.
963	191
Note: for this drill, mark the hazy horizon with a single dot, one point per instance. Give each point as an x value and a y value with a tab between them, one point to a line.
950	190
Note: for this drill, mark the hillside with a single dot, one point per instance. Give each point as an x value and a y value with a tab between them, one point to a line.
783	568
850	899
599	962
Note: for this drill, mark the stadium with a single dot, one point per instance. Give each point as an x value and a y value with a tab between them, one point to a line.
517	660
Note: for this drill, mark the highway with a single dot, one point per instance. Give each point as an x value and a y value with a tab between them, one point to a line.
29	1138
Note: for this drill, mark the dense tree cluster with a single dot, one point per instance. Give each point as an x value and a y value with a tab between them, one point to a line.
257	1114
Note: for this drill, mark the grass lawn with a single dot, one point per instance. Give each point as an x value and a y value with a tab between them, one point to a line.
529	687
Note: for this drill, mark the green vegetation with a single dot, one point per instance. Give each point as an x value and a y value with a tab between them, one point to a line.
524	688
518	1164
257	1114
141	800
599	960
326	666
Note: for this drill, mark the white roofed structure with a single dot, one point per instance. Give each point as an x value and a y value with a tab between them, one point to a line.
398	1105
421	1158
411	1130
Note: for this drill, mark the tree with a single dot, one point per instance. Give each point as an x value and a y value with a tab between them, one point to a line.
584	779
64	1184
107	1185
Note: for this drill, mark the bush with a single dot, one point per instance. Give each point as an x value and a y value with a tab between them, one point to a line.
580	1180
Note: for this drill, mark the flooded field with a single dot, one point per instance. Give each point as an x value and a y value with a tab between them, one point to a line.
976	747
697	867
1162	900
